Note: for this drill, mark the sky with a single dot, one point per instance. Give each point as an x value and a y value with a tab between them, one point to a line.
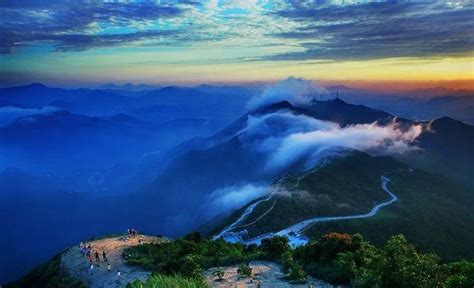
74	43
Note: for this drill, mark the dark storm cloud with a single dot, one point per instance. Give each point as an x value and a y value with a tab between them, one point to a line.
378	30
68	23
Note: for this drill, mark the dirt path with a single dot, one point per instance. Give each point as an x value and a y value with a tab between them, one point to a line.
265	274
78	265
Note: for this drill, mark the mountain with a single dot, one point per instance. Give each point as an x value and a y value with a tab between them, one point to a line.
431	210
242	152
447	149
230	158
417	105
80	101
36	210
128	87
45	138
221	103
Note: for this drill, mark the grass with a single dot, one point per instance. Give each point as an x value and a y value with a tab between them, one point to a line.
164	281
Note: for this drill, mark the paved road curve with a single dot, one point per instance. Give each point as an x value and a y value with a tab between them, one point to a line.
301	226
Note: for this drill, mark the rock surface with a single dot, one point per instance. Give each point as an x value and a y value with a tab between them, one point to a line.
78	265
264	274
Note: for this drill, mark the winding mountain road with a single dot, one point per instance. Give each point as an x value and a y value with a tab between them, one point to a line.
301	226
242	217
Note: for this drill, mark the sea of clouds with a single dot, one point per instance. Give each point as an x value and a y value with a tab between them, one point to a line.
286	138
9	114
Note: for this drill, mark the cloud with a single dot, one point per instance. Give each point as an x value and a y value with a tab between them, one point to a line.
367	30
287	138
232	198
303	30
80	25
9	114
297	91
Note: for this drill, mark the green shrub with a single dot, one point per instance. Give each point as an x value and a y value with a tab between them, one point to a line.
189	255
461	274
244	270
297	273
286	261
274	247
173	281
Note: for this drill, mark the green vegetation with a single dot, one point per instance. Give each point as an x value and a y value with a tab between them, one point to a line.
286	261
297	273
165	281
49	274
344	186
433	212
244	270
336	258
345	259
190	255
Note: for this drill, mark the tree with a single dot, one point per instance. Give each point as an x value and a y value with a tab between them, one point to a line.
334	243
461	274
403	266
244	270
286	261
190	267
274	247
297	273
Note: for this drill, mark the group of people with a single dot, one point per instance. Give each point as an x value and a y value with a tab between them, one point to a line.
86	250
132	233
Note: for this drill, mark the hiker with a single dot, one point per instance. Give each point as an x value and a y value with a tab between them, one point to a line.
89	255
91	268
97	259
104	256
109	267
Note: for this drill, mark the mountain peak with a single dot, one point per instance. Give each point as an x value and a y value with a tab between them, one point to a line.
274	107
338	101
446	121
35	85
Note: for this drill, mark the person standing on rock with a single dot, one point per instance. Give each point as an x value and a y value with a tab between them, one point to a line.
119	274
97	259
91	268
109	267
104	256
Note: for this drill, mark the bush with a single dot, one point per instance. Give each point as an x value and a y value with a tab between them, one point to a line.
190	255
297	273
461	274
404	266
286	261
274	247
244	270
174	281
190	267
